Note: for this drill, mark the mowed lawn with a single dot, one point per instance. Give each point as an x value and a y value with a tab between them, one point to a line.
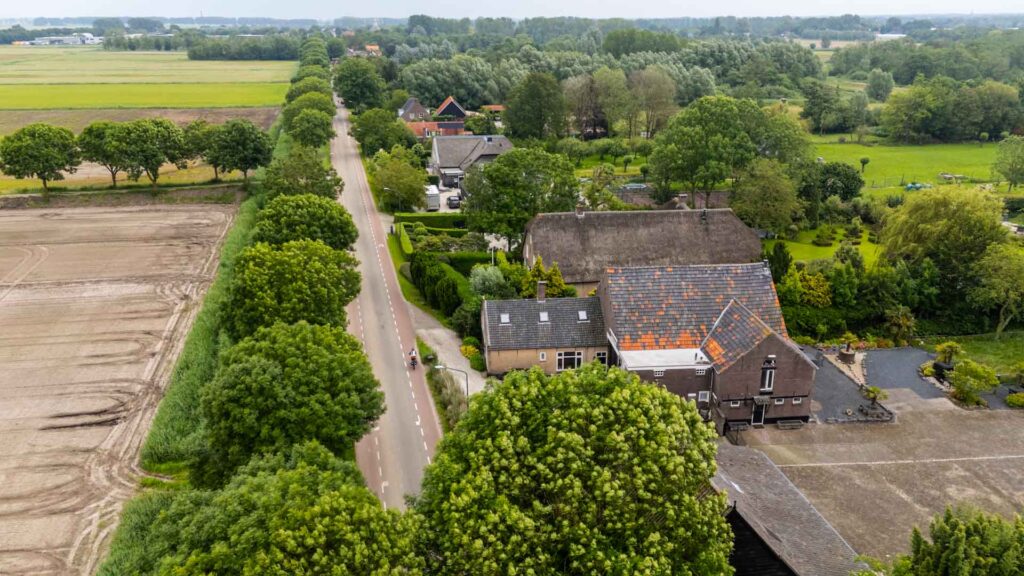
199	95
1001	354
802	249
890	164
93	65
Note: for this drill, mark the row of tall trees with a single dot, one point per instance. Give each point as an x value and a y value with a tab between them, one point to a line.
135	149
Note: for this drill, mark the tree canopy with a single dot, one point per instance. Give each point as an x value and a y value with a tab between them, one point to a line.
241	145
359	84
300	280
302	171
312	128
380	129
102	142
305	216
502	196
308	101
39	151
765	198
586	472
285	385
1009	161
965	541
536	108
1001	282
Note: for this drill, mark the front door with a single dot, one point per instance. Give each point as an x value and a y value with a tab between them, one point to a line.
758	418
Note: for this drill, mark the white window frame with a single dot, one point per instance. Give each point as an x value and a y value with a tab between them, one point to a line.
734	403
798	401
544	317
659	373
581	316
767	379
543	356
561	357
780	401
703	396
601	357
505	319
701	371
691	396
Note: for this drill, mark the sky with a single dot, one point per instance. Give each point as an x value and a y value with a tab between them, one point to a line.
327	9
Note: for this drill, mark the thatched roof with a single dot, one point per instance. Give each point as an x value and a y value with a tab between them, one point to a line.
585	244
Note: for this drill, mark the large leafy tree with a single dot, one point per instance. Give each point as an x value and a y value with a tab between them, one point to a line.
312	128
285	385
1001	282
951	227
306	85
399	183
1009	161
703	145
149	144
587	472
302	171
880	85
301	511
199	137
765	198
501	197
536	108
613	97
40	151
379	129
308	101
359	84
300	280
965	541
241	145
102	142
305	216
654	94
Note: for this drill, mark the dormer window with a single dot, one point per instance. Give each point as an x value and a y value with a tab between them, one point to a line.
505	319
544	317
582	315
768	374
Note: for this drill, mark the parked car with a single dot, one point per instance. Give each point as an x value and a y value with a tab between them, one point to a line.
454	201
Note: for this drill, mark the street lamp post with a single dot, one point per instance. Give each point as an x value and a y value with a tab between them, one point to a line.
463	372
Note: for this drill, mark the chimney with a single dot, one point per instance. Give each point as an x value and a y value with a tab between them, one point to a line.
542	289
579	211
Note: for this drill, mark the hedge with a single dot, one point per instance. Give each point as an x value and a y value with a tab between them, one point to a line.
404	241
453	232
442	286
1014	205
433	219
463	262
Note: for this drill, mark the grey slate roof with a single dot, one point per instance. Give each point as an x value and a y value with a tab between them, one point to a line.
671	307
463	151
412	111
583	246
781	515
525	331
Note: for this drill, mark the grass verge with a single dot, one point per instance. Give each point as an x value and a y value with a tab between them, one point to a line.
409	291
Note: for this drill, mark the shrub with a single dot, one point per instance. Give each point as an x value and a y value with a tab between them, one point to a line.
927	369
970	379
433	219
466	320
468	350
824	237
449	393
403	240
805	340
1015	400
463	262
478	362
471	341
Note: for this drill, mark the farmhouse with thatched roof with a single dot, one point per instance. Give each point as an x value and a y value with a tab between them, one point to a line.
584	244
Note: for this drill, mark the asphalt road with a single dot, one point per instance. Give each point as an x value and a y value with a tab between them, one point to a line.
393	455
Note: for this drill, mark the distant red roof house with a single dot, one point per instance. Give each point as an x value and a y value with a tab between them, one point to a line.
493	107
450	108
424	130
373	50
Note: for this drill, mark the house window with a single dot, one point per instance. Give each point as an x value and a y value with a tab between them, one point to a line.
569	360
543	356
734	404
703	396
780	401
582	315
544	317
701	371
659	373
691	396
601	357
768	374
798	400
505	319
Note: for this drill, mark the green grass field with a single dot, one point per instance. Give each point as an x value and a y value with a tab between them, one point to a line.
93	65
891	164
204	95
802	249
1000	354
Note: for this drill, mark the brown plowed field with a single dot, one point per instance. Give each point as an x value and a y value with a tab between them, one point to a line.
94	306
75	120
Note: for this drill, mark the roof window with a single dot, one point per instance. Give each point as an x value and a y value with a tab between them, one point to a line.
582	315
505	319
544	317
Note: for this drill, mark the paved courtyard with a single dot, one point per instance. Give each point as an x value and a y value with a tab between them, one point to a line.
875	482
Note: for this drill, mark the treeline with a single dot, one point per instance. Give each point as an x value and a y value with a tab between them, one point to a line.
996	55
136	149
272	47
